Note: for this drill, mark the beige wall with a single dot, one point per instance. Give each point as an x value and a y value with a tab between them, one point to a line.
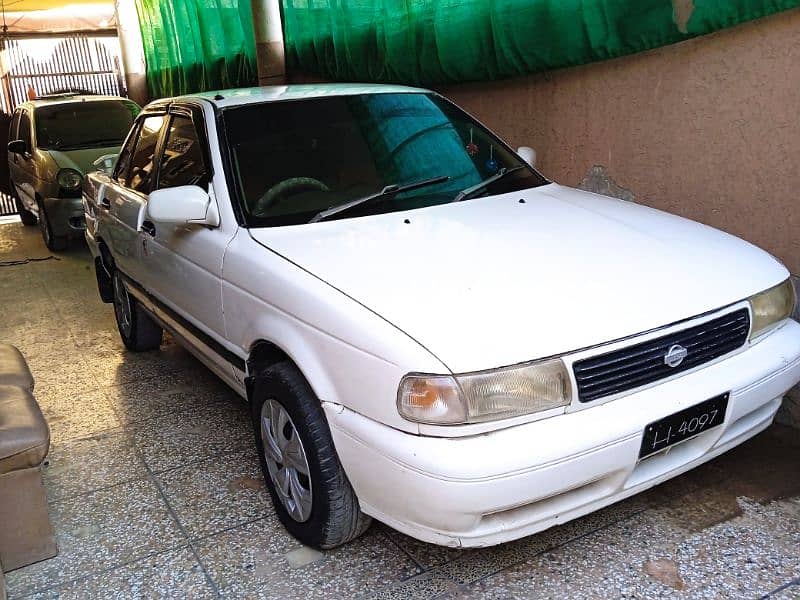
708	129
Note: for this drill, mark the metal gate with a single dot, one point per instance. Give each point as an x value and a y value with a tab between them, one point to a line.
7	205
49	64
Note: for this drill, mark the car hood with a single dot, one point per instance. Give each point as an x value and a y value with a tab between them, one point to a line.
496	281
80	160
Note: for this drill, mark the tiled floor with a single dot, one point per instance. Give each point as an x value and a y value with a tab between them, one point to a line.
155	490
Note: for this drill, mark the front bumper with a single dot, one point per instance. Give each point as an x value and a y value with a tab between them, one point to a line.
496	487
66	216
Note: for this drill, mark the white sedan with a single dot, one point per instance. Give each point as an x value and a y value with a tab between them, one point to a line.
427	330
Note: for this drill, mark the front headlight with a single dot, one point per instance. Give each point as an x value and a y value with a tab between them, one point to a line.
486	395
772	307
69	179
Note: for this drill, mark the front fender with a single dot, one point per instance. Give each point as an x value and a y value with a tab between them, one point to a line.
349	355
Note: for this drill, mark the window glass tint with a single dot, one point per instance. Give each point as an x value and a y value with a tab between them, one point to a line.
24	132
296	159
144	156
182	162
92	124
121	170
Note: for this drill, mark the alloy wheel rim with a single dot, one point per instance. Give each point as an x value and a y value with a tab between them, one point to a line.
122	306
286	460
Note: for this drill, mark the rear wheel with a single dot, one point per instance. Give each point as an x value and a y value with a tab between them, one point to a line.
55	243
309	489
138	330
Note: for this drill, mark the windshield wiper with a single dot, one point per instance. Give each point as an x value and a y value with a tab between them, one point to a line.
389	190
467	193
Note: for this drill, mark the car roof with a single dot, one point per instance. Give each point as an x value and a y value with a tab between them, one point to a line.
68	99
276	93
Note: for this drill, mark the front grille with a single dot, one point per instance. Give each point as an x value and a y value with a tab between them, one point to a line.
641	364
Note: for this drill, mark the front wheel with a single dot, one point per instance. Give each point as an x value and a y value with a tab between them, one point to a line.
138	330
27	217
55	243
309	489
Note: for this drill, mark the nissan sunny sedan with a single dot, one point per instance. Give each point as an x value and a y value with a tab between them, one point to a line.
428	332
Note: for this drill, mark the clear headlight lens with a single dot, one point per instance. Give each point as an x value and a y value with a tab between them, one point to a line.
772	307
69	179
484	396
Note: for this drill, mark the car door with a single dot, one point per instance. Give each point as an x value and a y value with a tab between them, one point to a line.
124	198
183	262
21	166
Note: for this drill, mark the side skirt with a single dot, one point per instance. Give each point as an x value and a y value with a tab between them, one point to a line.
207	350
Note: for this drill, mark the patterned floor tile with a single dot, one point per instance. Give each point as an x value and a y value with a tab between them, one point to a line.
175	574
217	494
99	530
203	431
253	561
75	467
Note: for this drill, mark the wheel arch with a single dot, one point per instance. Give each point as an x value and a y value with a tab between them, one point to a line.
265	353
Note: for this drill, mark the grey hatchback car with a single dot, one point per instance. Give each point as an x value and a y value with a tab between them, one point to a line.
53	143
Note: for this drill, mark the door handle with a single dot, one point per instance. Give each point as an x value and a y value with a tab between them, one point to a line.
105	203
149	228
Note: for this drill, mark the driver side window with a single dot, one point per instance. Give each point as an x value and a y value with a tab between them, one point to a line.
182	162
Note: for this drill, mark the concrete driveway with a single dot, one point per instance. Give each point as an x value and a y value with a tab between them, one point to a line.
155	490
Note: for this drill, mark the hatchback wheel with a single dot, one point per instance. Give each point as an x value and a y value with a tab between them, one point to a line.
27	217
309	489
55	243
138	330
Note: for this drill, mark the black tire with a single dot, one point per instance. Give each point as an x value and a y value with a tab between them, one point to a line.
138	330
27	217
335	516
54	243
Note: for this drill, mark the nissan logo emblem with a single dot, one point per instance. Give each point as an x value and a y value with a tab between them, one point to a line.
675	355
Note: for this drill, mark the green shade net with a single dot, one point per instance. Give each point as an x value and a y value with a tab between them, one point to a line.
197	45
439	41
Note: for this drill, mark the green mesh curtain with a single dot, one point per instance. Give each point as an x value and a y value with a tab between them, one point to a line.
196	45
437	41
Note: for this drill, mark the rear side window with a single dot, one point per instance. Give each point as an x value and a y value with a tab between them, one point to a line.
143	161
182	162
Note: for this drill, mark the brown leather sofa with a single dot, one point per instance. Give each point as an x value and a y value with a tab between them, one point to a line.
26	535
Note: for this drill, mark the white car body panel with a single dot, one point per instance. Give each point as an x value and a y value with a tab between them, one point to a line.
485	489
359	303
493	282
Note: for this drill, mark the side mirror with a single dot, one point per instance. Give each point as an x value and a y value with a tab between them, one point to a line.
527	154
106	163
18	147
183	204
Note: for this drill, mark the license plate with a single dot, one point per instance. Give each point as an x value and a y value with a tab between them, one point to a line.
683	425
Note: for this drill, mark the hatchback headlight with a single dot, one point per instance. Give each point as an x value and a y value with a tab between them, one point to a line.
69	179
771	307
486	395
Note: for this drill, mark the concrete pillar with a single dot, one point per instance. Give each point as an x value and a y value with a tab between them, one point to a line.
269	42
130	41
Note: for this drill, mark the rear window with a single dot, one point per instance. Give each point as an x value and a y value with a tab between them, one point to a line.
76	125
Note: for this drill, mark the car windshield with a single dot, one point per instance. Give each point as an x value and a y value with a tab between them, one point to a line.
295	159
90	124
